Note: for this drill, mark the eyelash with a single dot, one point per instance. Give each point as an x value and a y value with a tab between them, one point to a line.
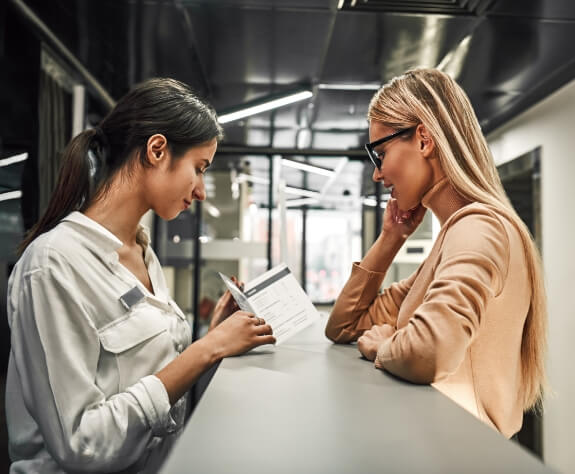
200	171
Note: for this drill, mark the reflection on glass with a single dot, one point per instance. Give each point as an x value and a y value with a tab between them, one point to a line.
333	243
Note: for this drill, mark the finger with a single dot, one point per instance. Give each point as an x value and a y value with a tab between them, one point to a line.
264	330
238	283
269	339
392	204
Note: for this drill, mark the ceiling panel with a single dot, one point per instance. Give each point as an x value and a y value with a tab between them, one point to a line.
261	45
234	51
374	47
560	10
510	59
284	4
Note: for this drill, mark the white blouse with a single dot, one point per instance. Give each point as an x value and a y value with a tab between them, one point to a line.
81	395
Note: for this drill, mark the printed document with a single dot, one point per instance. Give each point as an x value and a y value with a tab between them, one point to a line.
277	297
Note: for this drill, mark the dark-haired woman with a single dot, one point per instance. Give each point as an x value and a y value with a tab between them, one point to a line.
101	356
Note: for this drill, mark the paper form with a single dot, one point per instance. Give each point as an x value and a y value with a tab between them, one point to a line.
277	297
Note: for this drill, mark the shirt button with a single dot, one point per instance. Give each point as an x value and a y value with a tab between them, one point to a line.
180	348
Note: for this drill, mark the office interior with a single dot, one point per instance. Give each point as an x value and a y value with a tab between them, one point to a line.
293	183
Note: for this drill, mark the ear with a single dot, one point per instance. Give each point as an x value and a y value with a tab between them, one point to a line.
425	141
157	149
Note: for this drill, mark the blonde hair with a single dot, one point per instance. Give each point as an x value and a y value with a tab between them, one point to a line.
434	99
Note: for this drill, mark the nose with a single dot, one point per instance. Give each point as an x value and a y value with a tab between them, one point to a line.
200	191
377	175
200	194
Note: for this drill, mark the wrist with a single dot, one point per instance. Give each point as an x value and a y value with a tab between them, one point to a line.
390	241
211	348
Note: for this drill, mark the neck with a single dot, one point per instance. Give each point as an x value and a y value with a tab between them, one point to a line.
119	211
443	200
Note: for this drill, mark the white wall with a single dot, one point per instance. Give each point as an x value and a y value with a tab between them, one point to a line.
551	125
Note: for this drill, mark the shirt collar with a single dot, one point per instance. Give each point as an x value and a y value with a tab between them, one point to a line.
102	236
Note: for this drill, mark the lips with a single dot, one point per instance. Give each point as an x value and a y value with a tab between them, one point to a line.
187	203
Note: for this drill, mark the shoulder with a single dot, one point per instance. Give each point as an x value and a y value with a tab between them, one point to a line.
50	250
477	226
477	235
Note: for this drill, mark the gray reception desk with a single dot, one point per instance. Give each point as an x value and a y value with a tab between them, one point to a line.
309	406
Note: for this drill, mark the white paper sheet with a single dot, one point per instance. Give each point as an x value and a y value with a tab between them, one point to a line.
277	297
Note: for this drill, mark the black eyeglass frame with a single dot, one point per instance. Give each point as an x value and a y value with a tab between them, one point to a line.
374	155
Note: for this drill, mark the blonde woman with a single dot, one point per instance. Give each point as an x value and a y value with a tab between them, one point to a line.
472	319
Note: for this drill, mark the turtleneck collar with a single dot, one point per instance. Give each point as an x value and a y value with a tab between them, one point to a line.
443	200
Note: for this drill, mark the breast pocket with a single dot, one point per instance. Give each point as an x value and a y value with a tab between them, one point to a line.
137	345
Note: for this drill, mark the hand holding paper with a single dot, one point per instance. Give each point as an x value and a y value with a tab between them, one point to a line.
225	306
278	298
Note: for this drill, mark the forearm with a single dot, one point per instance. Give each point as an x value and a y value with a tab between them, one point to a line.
180	374
358	306
381	254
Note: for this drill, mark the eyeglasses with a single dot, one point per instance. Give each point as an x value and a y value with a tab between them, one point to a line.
377	157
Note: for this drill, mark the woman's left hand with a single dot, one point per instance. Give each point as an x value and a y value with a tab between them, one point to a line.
370	340
225	307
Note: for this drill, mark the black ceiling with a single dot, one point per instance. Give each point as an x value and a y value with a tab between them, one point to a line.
232	51
506	54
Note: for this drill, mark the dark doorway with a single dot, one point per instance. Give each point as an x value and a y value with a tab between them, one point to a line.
522	182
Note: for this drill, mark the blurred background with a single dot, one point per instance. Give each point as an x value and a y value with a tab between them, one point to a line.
293	183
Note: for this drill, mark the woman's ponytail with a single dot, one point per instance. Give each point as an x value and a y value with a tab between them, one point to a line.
82	164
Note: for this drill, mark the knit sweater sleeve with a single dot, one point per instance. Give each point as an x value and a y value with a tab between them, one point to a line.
360	305
470	272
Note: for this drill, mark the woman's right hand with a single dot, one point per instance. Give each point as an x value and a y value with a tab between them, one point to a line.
401	223
239	333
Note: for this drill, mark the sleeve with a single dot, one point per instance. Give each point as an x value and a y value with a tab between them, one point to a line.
56	350
471	271
360	306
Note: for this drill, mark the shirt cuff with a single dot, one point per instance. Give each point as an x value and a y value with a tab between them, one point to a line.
383	353
155	402
356	267
370	281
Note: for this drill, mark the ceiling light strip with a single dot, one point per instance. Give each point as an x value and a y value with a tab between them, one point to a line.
301	202
11	195
265	106
349	87
307	167
302	192
13	159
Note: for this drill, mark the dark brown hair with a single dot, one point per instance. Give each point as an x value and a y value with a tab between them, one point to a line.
94	157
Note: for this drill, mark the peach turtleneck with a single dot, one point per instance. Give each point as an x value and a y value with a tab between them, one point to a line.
443	200
459	318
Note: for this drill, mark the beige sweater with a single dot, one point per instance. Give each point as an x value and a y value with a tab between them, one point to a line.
459	317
